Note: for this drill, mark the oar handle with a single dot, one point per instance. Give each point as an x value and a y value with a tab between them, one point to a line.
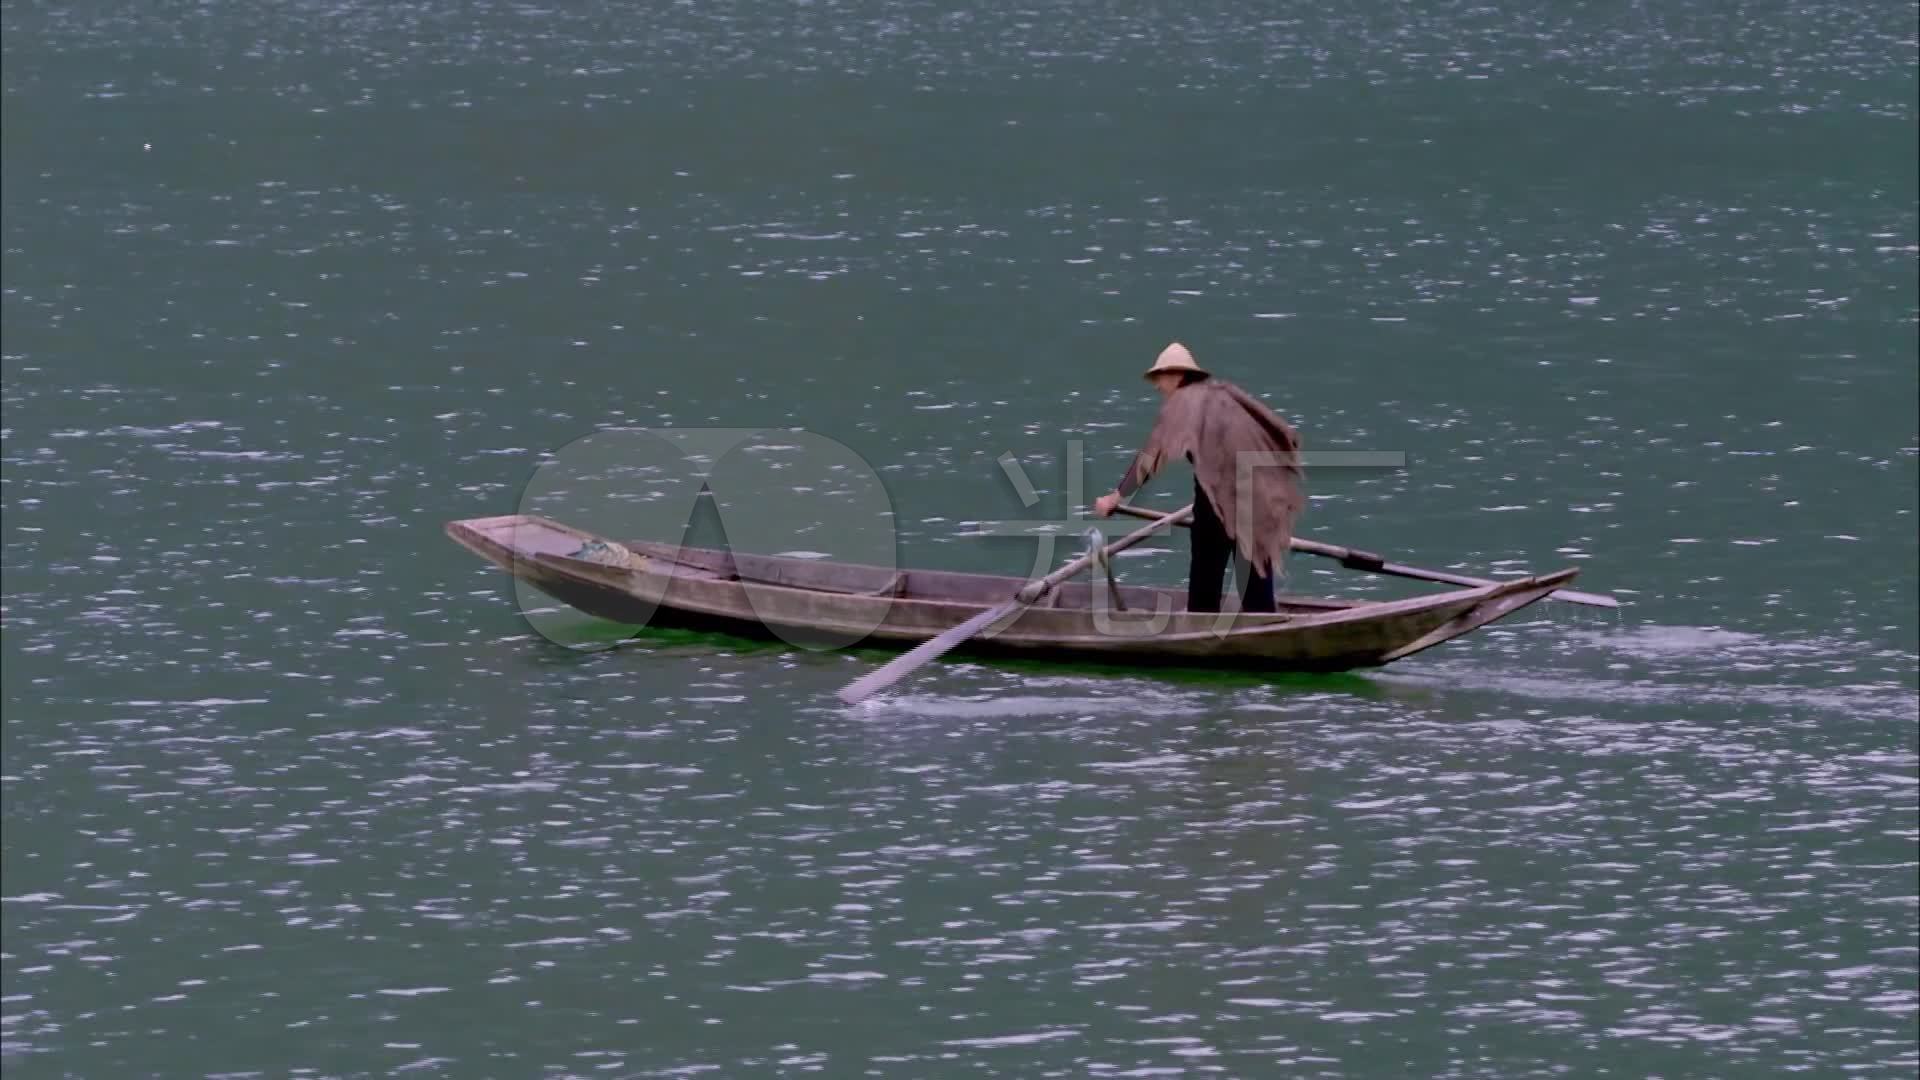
1351	558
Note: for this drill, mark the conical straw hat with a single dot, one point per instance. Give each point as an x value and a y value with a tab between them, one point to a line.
1176	359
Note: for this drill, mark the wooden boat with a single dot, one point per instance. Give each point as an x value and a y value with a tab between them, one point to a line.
808	599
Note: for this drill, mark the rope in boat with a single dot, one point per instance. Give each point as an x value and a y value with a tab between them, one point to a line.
608	553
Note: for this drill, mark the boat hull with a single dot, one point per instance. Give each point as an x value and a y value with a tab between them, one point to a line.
823	604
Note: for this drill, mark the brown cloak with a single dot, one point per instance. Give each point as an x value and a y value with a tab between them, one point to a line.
1237	444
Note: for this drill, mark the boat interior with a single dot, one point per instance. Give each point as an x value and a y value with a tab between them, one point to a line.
529	536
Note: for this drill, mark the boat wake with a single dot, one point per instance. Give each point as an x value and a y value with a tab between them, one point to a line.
1662	667
1691	665
1130	697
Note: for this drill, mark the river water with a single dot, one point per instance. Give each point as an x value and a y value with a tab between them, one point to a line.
293	788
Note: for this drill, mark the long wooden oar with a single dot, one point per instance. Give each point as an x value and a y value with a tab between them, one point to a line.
1354	559
881	678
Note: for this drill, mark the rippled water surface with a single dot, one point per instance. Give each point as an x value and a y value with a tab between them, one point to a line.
291	787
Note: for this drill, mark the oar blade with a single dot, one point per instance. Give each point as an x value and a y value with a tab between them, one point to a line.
1587	598
927	651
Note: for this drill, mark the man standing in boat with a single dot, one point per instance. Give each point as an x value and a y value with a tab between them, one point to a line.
1247	479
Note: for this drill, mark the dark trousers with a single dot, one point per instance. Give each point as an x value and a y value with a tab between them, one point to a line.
1212	550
